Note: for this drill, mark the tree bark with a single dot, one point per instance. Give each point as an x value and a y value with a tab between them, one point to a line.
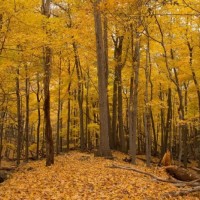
27	114
19	119
80	96
134	96
39	116
47	74
104	148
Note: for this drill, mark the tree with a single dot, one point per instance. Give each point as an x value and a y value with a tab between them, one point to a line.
47	74
104	148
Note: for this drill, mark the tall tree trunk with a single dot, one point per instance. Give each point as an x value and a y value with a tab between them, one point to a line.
168	121
114	136
19	119
118	44
87	119
47	107
104	148
59	110
80	96
3	115
147	112
27	114
198	93
134	97
39	116
105	40
68	106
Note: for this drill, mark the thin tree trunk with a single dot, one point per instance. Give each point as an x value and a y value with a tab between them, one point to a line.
39	116
114	137
19	119
58	111
68	107
80	96
3	115
146	113
27	115
168	121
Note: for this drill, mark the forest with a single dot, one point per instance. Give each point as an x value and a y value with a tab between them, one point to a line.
102	78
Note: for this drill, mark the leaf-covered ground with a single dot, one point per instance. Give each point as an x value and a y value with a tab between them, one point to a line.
82	176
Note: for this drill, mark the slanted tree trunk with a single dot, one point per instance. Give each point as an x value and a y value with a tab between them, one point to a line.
47	74
104	148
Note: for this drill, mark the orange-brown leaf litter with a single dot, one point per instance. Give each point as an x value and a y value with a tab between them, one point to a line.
82	176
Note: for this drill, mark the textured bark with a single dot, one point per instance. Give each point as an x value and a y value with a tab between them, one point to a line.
47	74
190	48
104	148
134	97
117	91
80	96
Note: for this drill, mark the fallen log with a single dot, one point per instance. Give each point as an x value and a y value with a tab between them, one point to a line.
7	168
194	185
182	174
145	173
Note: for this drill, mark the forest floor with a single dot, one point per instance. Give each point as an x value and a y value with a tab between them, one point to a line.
82	176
